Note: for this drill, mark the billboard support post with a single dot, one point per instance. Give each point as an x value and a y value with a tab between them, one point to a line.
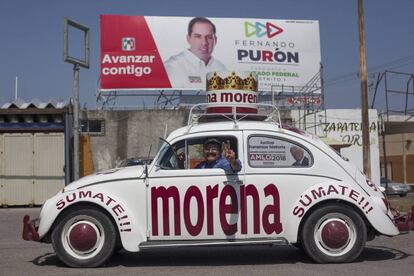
77	62
76	121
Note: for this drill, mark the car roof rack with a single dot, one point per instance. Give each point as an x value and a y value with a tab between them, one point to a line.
265	112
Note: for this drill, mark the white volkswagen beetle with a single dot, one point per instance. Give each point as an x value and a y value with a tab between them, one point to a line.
292	189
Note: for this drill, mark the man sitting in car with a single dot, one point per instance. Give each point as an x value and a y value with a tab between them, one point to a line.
213	159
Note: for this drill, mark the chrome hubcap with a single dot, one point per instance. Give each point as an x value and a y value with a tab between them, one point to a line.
335	234
83	237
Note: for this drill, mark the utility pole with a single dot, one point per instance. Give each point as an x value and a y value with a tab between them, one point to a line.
364	92
15	88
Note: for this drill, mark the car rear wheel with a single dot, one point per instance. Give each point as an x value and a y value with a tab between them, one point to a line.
334	234
84	238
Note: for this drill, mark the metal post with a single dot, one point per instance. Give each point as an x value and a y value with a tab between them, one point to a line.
406	94
404	150
68	164
384	149
15	88
364	92
386	96
77	63
76	121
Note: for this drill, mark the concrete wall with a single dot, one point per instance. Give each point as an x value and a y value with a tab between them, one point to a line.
397	144
130	133
400	157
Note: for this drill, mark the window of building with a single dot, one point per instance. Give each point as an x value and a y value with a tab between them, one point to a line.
93	127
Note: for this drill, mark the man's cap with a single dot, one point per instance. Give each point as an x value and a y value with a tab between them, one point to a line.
212	141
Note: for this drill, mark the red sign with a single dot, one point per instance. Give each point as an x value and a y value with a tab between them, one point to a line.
129	55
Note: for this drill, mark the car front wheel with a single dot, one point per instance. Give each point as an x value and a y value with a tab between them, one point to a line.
84	238
334	234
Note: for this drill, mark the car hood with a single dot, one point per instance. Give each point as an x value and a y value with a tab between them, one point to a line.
132	172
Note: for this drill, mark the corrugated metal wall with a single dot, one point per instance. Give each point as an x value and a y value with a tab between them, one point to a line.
48	161
32	167
18	169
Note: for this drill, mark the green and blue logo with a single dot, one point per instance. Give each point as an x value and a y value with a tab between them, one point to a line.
259	29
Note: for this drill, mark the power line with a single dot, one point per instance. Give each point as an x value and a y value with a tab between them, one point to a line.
389	65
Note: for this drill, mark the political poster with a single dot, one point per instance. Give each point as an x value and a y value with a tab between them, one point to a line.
152	52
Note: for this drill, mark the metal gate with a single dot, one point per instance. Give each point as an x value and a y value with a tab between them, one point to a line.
31	167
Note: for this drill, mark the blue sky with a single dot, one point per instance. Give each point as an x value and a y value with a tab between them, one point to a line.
31	40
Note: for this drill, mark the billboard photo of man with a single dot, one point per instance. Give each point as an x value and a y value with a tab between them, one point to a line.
188	69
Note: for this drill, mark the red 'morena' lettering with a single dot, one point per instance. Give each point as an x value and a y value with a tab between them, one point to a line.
165	194
232	208
227	209
272	210
249	190
212	192
193	230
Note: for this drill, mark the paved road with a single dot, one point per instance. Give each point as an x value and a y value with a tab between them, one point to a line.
383	256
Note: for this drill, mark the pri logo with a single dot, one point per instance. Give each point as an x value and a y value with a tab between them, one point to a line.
259	29
128	43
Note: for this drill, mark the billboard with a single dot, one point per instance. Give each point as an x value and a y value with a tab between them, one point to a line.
148	52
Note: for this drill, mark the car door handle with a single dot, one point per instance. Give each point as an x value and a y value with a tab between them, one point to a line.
238	182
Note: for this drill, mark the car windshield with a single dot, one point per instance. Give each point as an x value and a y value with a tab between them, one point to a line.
166	157
163	147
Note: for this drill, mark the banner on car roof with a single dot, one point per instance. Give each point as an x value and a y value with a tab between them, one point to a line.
148	52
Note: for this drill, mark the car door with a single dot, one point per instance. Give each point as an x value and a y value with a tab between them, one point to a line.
274	180
193	204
